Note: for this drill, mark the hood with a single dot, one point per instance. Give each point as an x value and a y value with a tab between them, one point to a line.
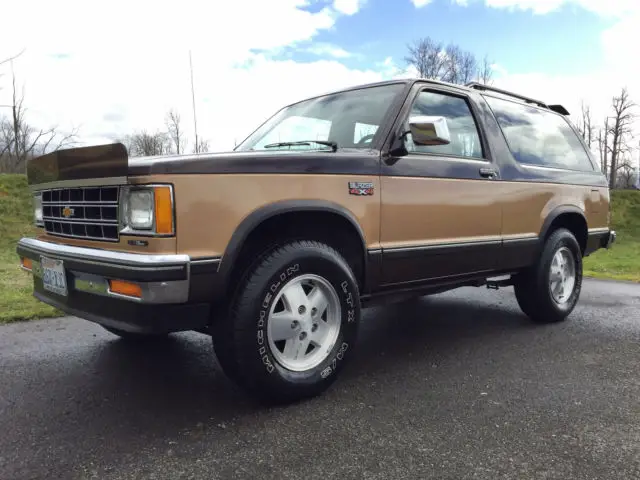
112	161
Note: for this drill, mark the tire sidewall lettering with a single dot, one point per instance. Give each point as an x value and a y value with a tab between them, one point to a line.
350	311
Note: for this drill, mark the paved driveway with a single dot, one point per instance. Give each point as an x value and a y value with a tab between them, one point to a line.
454	386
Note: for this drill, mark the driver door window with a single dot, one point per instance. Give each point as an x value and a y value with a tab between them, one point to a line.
465	141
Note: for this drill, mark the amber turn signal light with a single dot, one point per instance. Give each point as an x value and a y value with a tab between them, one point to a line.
163	210
125	288
26	263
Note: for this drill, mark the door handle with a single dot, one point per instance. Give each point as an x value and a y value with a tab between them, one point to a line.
488	172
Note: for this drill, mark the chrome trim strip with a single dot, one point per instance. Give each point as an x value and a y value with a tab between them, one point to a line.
83	182
81	221
105	256
599	230
553	169
520	236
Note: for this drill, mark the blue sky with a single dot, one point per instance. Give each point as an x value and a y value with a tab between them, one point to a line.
251	57
563	41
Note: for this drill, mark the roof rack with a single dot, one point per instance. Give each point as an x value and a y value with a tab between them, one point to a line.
481	86
554	108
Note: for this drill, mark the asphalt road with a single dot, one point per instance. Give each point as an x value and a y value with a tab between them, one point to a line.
454	386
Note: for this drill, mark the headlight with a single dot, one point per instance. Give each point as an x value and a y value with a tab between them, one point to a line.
140	209
37	209
147	210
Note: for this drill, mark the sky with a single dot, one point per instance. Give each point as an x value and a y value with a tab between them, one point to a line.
111	68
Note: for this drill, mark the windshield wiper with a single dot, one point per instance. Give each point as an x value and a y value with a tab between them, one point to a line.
328	143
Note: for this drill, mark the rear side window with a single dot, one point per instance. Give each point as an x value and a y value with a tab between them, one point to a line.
539	137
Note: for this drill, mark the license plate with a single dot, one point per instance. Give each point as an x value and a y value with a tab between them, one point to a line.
53	276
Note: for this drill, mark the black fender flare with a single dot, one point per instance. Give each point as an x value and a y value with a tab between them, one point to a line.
257	217
555	213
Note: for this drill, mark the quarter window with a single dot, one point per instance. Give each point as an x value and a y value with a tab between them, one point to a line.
465	141
539	137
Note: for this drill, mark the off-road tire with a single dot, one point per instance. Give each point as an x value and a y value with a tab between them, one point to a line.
241	341
532	285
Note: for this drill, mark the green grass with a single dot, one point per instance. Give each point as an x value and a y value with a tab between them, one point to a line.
622	261
16	286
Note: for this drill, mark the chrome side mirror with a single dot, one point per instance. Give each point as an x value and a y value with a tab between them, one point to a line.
426	130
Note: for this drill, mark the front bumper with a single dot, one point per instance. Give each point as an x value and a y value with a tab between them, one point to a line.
170	286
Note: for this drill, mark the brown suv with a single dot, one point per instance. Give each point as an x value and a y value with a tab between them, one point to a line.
382	191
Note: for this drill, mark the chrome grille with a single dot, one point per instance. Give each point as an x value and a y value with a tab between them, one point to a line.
84	212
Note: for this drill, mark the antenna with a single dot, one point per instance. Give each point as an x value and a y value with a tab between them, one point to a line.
193	102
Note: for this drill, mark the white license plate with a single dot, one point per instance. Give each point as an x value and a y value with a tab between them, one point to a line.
53	276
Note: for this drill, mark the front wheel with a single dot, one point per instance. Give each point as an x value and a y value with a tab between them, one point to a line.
293	323
549	291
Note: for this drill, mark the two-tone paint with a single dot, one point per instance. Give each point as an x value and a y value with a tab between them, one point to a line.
431	220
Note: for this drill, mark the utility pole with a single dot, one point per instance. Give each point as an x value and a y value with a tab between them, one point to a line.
193	101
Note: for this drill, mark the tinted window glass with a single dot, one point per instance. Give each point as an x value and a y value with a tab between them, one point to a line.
465	141
539	137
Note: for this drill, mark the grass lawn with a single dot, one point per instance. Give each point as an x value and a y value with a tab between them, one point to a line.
622	262
16	286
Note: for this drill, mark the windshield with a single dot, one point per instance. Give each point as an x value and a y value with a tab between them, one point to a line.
347	119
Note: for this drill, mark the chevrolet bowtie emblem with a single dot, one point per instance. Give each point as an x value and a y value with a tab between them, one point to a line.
67	212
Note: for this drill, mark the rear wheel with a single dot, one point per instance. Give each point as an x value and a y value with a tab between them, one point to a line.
293	323
549	291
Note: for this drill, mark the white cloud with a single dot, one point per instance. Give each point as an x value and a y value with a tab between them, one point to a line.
329	50
111	73
421	3
348	7
615	8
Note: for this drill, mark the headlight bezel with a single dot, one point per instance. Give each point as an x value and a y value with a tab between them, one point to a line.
152	231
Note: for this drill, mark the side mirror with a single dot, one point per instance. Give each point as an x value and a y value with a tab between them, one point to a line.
427	130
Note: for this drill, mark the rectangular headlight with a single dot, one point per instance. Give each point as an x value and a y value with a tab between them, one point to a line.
147	210
37	209
140	209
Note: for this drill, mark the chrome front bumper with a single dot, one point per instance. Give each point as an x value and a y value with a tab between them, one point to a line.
164	279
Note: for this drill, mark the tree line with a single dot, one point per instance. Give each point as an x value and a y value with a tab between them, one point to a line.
171	140
612	138
20	140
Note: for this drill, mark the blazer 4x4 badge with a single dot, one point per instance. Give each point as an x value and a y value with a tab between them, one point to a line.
360	188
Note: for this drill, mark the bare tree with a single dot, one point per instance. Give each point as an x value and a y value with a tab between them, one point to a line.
620	130
435	61
585	124
485	71
175	132
626	172
20	141
426	56
603	147
143	143
202	146
453	59
468	67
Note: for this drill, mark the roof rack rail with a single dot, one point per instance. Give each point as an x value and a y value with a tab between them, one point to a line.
481	86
